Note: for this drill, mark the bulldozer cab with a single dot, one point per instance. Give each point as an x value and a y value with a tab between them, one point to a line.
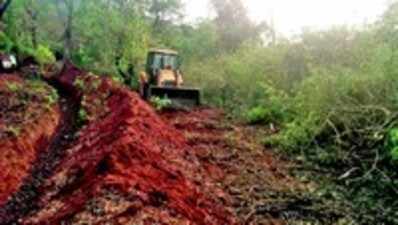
159	59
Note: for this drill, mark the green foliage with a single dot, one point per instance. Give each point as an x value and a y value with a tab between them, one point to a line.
234	25
160	103
80	84
392	145
258	115
6	43
338	117
334	97
273	108
14	131
52	97
242	80
204	35
82	117
394	154
44	56
39	89
163	11
37	86
13	86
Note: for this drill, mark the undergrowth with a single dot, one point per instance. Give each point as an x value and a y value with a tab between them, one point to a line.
22	103
333	98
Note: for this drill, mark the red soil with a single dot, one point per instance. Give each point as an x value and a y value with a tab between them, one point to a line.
4	78
18	153
234	156
128	166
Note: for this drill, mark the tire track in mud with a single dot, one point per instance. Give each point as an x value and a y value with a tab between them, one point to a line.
24	201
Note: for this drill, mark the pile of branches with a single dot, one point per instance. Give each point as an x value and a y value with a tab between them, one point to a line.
353	149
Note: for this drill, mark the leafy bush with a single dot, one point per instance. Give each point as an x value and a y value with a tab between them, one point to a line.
340	119
273	107
13	86
25	51
52	97
6	44
236	82
160	103
82	118
80	84
44	56
336	109
392	145
258	115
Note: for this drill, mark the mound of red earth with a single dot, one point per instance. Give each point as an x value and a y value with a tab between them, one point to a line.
127	166
27	124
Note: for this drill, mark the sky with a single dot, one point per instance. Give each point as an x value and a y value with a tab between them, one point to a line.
290	16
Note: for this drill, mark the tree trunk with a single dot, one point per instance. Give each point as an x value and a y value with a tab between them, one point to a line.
33	25
156	22
4	7
68	45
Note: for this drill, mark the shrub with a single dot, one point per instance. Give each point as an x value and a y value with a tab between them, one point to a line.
160	103
235	82
82	117
52	97
44	56
340	119
13	86
392	144
258	115
6	44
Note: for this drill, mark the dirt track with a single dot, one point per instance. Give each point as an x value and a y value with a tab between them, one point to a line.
25	200
255	178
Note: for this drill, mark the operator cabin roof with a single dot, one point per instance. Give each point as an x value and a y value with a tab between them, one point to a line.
163	51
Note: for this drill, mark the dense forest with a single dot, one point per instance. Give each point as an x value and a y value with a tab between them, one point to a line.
328	97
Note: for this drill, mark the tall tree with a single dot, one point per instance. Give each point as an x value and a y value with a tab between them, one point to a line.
389	32
233	23
32	13
66	10
21	22
163	11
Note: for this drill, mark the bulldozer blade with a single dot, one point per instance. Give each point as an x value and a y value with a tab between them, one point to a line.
180	97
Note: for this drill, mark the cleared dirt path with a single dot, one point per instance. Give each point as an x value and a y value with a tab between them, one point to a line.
258	181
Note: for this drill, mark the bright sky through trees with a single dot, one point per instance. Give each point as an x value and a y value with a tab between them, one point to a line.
290	16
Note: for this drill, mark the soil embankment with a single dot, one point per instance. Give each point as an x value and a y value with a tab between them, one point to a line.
28	122
126	166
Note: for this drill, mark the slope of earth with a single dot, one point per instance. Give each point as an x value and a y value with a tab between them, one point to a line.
126	166
29	117
262	190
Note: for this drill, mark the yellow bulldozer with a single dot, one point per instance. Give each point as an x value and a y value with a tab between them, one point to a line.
163	78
